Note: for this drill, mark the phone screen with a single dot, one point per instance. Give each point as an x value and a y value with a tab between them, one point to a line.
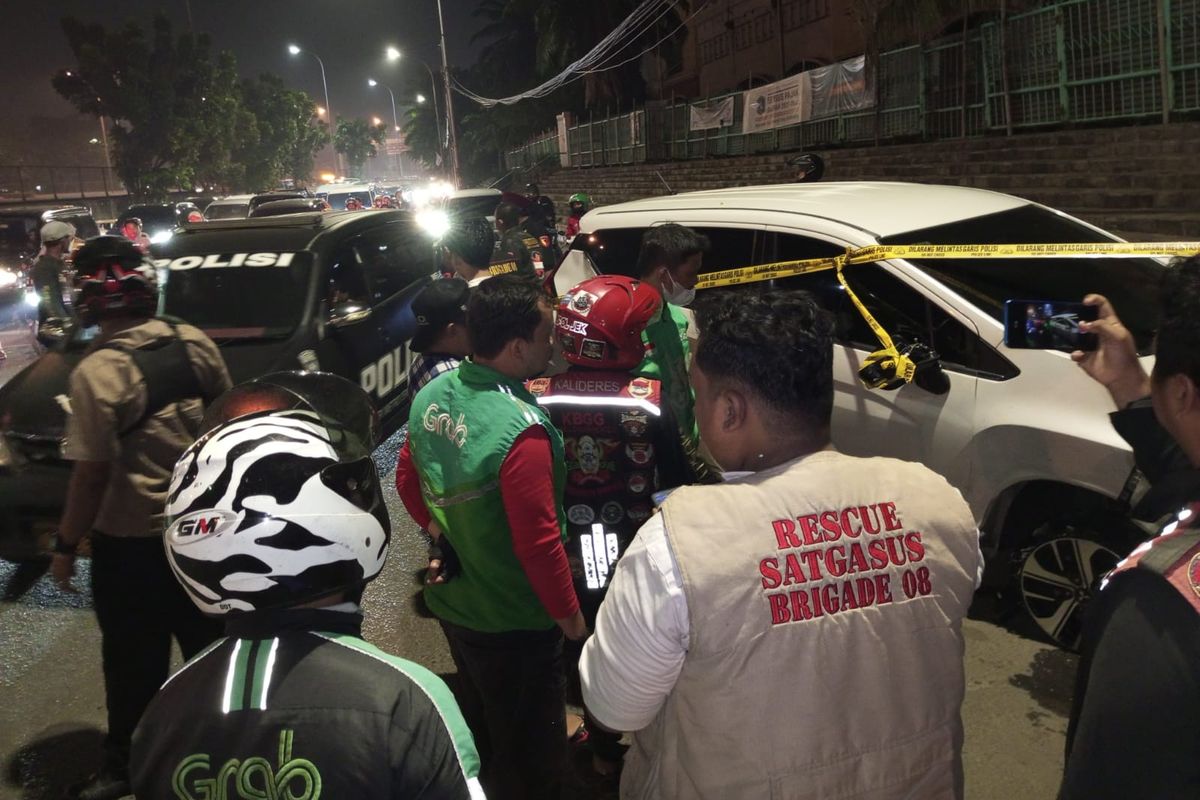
1047	325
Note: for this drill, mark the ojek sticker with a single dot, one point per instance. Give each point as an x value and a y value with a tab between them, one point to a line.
222	260
201	525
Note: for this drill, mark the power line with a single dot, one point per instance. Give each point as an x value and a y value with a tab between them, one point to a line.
632	28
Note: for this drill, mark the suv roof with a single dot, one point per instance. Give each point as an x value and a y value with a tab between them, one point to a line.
290	231
40	209
879	208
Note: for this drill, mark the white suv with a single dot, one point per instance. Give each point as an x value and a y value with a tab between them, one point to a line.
1024	434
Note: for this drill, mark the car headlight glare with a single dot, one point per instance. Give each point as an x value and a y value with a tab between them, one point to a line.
160	237
434	222
7	278
31	298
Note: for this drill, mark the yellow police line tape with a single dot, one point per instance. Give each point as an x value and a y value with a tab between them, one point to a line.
884	252
887	367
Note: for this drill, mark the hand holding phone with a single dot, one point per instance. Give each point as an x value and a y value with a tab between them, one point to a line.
1048	325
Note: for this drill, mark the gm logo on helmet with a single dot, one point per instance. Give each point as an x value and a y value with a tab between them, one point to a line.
200	525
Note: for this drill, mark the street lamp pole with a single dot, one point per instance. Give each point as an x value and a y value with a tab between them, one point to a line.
393	54
395	120
451	137
295	50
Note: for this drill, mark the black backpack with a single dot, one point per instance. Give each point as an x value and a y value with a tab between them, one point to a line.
167	370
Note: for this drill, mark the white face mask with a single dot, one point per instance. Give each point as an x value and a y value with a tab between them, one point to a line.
675	294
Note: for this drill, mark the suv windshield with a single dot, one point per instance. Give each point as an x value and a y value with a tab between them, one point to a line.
1131	284
246	302
154	218
338	199
227	211
478	206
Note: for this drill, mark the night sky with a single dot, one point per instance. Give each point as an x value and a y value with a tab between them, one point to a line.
349	35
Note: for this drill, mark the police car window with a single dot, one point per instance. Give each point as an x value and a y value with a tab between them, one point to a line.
394	257
347	279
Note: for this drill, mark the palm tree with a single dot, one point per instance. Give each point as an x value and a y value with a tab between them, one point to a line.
356	140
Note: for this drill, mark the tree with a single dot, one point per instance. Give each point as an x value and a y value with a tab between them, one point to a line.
285	133
227	126
356	140
156	90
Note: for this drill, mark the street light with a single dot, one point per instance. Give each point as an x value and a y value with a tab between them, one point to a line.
376	121
393	54
320	111
295	50
373	83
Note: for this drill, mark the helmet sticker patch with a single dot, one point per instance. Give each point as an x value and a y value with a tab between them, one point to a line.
198	525
583	302
592	348
572	325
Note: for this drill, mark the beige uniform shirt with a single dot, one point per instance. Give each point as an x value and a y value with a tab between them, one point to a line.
108	394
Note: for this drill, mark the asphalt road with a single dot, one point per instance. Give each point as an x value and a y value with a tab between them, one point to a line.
52	704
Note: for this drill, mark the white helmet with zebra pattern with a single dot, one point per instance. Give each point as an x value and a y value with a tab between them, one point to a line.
279	503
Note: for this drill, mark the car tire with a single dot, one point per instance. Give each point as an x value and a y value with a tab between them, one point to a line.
1059	576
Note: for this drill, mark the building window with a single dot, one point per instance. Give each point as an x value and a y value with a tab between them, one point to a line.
798	13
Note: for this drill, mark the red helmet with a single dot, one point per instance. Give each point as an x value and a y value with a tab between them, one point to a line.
111	282
600	321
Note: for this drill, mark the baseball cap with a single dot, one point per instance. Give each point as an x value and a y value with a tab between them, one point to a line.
440	303
54	230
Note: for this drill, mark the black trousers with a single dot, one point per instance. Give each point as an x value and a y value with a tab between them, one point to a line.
139	606
511	692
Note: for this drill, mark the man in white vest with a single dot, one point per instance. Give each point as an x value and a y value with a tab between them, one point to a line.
794	632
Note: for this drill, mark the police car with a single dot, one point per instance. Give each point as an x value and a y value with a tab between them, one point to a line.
306	291
1024	434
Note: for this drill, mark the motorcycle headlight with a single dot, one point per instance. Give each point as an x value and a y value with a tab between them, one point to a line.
31	298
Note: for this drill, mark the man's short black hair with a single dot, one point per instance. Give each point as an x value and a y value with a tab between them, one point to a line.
508	214
501	309
777	344
669	245
1177	346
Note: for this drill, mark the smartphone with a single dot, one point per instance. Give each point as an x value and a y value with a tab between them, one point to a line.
1048	325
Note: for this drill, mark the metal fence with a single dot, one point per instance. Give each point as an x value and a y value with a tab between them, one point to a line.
1077	61
28	183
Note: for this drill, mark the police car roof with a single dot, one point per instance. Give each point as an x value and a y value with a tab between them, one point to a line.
286	233
877	207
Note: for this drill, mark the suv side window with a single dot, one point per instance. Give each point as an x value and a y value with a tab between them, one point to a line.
615	251
394	256
904	312
347	279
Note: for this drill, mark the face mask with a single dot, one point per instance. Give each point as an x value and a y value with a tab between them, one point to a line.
675	294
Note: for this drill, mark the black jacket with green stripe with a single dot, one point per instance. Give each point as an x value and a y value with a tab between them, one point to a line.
295	704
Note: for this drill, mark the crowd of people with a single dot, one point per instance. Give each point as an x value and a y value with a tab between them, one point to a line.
625	500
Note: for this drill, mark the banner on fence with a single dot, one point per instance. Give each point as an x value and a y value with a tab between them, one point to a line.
712	115
840	88
778	104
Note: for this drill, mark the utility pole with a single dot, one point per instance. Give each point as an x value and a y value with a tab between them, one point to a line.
451	135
